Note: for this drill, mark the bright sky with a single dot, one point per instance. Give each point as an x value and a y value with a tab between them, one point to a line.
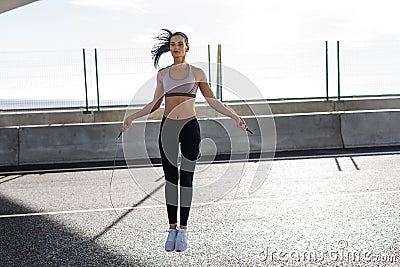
60	24
252	32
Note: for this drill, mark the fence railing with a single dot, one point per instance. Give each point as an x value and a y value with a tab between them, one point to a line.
92	79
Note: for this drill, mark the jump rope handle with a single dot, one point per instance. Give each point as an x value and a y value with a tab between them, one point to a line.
119	135
247	129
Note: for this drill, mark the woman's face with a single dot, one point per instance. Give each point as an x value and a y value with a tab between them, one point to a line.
177	46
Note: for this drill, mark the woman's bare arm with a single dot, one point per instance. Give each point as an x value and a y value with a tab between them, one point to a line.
150	107
214	102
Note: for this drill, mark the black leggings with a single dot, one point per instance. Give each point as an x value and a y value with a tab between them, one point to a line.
173	132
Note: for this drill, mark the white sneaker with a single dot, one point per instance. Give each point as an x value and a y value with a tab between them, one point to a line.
181	242
170	243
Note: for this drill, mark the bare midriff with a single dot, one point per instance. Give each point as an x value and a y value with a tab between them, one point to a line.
179	107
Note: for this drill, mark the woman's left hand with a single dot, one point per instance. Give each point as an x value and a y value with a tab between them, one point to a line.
241	123
127	124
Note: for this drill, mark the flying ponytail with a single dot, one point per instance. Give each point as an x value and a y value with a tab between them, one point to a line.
163	45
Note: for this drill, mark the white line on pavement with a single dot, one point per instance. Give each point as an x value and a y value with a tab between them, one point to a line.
252	200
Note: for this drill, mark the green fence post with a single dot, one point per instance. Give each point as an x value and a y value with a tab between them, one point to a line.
219	74
326	71
338	70
97	81
217	86
209	66
86	111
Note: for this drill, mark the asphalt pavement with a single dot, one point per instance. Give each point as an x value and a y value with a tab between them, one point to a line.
323	211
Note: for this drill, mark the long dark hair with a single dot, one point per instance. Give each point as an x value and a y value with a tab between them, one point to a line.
163	45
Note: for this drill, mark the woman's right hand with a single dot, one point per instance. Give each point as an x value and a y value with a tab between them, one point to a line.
127	124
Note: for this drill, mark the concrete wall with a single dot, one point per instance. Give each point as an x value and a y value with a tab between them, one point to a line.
369	129
66	143
97	142
9	146
302	132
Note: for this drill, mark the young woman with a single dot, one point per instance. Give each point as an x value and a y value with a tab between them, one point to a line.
178	83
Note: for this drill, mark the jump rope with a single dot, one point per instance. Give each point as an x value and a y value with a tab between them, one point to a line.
113	169
116	142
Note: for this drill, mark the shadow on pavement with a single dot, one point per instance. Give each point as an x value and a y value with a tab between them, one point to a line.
126	213
38	241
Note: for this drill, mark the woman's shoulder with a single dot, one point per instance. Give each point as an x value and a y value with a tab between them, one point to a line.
161	72
198	72
196	69
163	69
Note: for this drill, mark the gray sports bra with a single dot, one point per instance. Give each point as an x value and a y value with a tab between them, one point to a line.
183	87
